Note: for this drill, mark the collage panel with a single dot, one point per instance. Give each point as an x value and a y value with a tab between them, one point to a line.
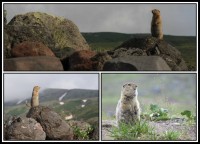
138	37
104	72
56	107
149	107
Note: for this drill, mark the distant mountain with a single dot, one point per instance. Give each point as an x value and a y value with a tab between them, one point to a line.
83	104
54	94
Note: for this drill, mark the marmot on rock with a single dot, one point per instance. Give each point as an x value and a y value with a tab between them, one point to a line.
156	24
35	97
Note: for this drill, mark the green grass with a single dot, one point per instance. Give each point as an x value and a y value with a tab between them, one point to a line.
130	132
171	135
141	131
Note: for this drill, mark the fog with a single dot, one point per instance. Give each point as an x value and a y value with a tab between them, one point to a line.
19	86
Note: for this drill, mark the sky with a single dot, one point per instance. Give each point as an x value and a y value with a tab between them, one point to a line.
178	19
21	85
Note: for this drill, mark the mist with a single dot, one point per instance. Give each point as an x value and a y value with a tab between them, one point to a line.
20	86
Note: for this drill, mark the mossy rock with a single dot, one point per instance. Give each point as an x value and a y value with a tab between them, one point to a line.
55	32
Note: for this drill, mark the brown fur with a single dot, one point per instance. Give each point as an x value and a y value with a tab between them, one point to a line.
128	107
35	97
156	24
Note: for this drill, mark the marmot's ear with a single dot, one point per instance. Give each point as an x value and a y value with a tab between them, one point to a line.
124	85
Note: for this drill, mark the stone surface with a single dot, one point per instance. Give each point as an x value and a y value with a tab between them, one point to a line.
99	60
136	63
24	129
52	123
55	32
36	63
150	46
80	60
28	48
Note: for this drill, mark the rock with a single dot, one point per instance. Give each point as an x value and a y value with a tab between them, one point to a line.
7	46
4	17
136	63
150	46
52	123
24	129
36	63
99	59
80	128
55	32
28	48
80	60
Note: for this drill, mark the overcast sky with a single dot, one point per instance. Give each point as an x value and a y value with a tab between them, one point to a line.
21	85
178	19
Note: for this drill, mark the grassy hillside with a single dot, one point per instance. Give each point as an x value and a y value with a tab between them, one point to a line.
72	104
103	41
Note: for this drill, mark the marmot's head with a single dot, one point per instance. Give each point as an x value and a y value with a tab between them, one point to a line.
36	88
155	12
129	90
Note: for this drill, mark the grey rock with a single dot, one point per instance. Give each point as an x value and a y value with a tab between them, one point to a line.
136	63
24	129
57	33
150	46
52	123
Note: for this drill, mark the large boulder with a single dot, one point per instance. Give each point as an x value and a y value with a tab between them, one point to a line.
150	46
52	123
136	63
55	32
36	63
24	129
81	60
28	48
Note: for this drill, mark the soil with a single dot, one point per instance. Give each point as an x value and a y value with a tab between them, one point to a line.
188	132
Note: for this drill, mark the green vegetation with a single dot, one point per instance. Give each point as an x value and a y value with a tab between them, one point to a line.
191	119
82	134
141	131
171	135
130	132
103	41
158	113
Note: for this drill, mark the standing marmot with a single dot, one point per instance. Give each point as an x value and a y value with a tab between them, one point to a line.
156	24
35	97
128	108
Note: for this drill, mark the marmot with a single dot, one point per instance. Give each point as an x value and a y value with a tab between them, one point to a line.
156	24
128	107
35	97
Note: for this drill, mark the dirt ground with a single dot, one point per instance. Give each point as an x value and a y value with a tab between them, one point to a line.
188	132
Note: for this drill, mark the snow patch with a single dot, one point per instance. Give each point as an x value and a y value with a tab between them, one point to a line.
84	100
20	101
62	96
82	106
61	103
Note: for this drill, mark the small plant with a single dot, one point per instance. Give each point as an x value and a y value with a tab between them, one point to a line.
158	113
131	132
82	134
171	135
189	115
